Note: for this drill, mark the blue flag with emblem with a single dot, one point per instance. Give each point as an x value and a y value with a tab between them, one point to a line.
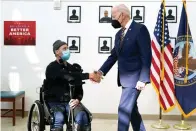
185	67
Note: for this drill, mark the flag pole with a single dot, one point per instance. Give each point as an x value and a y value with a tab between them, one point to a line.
162	46
160	124
187	44
182	125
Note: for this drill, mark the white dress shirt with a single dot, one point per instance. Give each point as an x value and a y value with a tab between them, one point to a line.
127	26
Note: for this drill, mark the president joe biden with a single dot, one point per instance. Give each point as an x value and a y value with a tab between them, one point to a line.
132	51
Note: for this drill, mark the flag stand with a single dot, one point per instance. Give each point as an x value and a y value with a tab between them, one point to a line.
160	124
182	125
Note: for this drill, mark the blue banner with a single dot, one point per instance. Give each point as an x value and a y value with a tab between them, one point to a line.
185	67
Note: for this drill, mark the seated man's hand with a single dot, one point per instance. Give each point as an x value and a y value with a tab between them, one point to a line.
95	77
73	103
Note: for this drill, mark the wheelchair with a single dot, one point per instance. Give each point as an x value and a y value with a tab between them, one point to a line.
41	110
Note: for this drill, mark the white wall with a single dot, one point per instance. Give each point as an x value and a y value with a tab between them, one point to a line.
1	35
27	65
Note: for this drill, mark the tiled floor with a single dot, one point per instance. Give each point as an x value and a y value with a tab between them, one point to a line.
97	125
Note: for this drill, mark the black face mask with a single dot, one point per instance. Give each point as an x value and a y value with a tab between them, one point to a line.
116	24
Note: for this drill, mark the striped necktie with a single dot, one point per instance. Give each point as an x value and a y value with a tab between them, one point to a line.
122	36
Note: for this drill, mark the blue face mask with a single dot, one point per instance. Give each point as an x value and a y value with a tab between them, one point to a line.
65	55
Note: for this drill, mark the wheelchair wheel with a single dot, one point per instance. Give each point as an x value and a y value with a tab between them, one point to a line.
36	117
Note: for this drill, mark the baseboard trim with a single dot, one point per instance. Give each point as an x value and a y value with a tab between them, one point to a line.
115	116
144	117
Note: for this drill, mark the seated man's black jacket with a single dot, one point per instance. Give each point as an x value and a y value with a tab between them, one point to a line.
57	87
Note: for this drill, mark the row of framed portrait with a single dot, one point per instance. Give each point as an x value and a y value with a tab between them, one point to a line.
105	16
104	44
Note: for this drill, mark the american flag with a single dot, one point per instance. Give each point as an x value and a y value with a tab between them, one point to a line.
164	87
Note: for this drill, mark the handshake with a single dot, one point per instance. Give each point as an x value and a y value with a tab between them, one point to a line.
96	76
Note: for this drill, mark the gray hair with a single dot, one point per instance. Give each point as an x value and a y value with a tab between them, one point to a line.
123	9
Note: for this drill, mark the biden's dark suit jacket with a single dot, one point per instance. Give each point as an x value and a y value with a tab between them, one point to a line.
134	56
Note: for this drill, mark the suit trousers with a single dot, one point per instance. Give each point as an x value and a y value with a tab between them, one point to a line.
128	110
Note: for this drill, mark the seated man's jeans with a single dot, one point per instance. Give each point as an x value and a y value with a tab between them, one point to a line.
60	109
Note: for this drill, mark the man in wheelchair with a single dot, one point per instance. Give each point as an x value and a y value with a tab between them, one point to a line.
59	90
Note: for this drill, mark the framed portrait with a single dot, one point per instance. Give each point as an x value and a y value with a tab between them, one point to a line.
173	42
104	45
73	44
138	13
105	14
171	14
74	14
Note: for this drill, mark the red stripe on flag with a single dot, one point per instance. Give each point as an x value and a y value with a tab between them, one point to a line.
168	79
157	53
162	102
155	82
157	69
167	59
166	94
